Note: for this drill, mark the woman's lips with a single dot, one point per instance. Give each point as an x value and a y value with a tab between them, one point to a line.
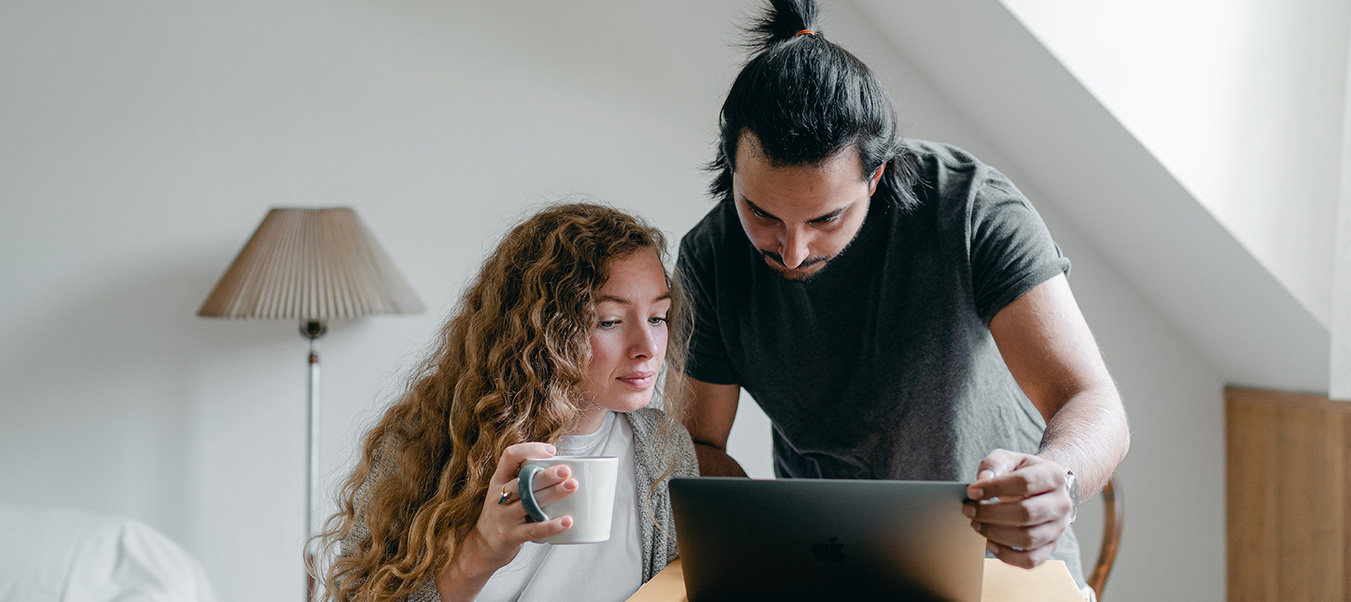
640	380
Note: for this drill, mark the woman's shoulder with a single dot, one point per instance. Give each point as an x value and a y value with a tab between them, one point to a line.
674	444
647	420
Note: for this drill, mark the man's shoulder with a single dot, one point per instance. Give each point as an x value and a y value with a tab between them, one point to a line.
942	156
957	175
718	228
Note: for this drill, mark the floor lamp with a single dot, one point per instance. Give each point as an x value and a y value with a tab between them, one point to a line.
311	265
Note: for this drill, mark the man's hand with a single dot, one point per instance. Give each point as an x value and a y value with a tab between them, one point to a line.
1020	504
714	462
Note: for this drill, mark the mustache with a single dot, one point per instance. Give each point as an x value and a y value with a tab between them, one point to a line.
776	258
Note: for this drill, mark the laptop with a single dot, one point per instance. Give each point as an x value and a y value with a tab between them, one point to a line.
821	539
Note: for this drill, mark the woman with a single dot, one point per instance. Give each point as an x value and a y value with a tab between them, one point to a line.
555	349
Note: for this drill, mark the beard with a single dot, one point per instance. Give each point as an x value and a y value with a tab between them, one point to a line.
775	262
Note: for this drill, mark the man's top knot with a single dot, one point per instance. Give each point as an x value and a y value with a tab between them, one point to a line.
807	32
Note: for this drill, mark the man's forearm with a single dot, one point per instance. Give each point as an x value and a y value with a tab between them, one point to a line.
1089	435
714	462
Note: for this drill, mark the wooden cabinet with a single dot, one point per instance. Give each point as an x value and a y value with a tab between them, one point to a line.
1289	496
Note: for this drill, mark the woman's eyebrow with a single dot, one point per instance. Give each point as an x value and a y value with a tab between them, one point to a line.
622	301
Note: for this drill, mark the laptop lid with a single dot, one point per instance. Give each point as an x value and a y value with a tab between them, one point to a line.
821	539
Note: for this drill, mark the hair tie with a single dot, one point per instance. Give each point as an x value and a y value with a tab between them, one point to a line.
805	31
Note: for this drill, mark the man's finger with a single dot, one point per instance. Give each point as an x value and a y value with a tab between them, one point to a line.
1030	480
998	462
1026	538
1025	558
1034	510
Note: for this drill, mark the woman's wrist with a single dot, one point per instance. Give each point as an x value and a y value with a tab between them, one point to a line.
466	573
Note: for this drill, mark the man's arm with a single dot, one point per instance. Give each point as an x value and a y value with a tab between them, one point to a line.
712	411
1049	350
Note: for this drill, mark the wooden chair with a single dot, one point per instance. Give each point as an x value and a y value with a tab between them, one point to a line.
1112	521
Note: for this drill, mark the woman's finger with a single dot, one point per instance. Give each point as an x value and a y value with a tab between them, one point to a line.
555	492
546	484
507	494
514	456
537	531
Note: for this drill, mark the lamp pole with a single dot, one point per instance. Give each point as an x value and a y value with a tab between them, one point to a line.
312	330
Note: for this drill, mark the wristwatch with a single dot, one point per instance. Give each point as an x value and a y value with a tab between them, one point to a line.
1072	485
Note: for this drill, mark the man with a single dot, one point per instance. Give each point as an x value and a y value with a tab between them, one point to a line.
896	307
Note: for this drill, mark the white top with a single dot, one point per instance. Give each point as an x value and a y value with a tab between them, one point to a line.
609	571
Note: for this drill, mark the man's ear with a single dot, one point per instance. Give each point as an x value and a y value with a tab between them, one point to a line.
875	178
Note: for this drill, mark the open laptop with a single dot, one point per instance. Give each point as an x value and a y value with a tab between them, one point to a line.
810	539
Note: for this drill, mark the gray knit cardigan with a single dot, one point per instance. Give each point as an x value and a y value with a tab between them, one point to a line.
659	544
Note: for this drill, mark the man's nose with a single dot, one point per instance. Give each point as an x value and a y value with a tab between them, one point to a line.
794	248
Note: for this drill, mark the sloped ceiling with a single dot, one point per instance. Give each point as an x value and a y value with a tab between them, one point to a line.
1099	176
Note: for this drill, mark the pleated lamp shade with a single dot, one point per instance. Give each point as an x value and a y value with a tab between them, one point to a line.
311	264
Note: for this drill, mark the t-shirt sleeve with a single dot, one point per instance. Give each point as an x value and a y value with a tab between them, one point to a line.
1011	250
707	359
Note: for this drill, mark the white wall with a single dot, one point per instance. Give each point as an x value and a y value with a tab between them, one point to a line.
1243	101
1340	357
141	143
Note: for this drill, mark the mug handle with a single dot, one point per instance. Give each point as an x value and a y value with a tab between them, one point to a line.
525	482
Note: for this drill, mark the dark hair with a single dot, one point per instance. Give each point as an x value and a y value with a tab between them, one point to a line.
805	99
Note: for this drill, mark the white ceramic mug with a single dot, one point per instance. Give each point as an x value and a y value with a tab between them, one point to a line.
591	506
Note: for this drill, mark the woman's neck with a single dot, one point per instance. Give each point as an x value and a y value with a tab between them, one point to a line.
593	417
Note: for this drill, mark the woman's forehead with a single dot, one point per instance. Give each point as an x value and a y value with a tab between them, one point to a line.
639	276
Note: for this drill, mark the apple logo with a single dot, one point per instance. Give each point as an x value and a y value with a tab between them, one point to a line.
829	552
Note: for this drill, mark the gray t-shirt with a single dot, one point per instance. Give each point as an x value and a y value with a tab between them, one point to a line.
882	366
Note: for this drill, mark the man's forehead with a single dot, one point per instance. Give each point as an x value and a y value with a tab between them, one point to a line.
799	193
749	148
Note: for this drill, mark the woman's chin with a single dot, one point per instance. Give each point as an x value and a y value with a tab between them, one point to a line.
629	402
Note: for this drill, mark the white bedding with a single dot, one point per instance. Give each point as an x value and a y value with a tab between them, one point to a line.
59	555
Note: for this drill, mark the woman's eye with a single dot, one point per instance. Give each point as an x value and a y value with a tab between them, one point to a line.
608	323
657	321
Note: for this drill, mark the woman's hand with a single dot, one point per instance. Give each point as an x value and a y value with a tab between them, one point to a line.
502	528
505	527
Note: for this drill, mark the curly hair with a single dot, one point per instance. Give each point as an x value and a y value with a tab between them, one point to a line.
507	368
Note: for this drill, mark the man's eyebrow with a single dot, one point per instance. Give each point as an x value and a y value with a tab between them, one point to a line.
822	218
832	214
622	301
757	209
